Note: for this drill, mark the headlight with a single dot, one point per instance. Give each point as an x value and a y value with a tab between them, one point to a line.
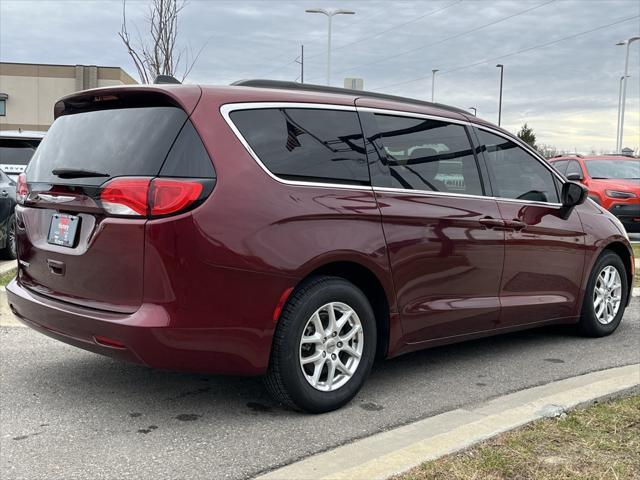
617	194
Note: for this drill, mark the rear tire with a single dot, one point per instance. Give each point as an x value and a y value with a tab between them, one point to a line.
9	250
605	298
314	366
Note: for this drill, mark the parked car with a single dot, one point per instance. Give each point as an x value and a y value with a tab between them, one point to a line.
299	232
16	149
613	182
7	218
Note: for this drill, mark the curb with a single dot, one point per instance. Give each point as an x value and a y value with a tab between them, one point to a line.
396	451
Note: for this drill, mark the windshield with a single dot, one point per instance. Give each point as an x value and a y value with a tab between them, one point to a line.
620	169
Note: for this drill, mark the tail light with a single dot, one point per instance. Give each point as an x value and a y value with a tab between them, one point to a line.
126	196
172	196
22	189
143	197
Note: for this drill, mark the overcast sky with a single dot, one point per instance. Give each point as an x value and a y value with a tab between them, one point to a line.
561	75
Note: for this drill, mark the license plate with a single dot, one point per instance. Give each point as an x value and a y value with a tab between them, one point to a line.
63	230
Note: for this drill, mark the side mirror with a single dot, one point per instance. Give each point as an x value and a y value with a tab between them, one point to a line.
573	194
574	176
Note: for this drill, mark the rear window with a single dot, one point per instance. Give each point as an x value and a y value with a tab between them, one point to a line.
116	142
307	144
17	151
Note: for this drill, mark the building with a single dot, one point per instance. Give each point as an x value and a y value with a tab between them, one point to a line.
29	91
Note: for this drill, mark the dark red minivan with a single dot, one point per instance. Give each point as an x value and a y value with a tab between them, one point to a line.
299	232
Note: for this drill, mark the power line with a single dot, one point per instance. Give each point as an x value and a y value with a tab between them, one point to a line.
511	54
362	39
457	35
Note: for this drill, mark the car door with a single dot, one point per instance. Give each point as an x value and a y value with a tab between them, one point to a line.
544	252
7	202
445	251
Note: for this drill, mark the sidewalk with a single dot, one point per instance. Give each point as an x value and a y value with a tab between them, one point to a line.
396	451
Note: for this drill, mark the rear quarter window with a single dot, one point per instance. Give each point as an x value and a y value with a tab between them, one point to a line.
306	144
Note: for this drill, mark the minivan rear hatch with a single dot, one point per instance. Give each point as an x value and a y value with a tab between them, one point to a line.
79	240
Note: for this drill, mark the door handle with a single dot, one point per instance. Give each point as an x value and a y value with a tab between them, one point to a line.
490	222
4	193
515	224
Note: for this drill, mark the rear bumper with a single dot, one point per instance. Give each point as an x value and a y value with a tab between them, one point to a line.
143	337
628	214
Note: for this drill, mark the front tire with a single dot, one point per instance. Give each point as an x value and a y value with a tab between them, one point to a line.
606	297
323	347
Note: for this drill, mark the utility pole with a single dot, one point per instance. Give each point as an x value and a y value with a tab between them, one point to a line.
300	60
501	67
433	83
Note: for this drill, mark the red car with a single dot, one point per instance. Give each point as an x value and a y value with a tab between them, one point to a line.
613	182
299	232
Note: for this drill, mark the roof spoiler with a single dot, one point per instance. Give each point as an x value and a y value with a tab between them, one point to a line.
166	79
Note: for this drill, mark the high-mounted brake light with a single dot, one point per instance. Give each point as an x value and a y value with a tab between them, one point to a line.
22	189
141	197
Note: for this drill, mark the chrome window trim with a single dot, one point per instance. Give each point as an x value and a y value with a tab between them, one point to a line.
226	109
425	116
462	195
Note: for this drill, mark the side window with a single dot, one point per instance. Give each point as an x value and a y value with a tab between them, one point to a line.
424	154
307	144
574	167
560	165
514	173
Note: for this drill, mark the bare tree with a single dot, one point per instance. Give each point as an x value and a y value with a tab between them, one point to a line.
159	54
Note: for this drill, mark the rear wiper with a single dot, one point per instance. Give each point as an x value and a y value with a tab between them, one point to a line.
76	173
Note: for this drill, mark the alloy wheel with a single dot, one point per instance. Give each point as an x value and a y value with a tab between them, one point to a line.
331	346
607	294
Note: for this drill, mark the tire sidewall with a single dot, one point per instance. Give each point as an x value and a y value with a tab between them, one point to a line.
11	242
589	320
301	392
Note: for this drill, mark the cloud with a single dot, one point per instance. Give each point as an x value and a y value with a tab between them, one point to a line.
567	91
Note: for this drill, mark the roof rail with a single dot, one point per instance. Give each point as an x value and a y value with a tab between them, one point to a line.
164	79
307	87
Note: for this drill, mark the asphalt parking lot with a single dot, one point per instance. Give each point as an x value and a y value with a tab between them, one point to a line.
66	413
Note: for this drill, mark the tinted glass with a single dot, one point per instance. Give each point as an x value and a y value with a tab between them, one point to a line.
573	167
117	142
560	165
429	155
306	144
188	157
514	173
16	151
628	169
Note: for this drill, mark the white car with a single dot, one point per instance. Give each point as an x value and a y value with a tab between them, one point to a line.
16	149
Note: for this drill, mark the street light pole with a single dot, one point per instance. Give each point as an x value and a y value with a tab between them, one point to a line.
475	111
329	15
619	106
501	67
624	92
433	83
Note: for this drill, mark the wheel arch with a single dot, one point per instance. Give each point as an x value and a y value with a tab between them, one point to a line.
366	280
625	255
